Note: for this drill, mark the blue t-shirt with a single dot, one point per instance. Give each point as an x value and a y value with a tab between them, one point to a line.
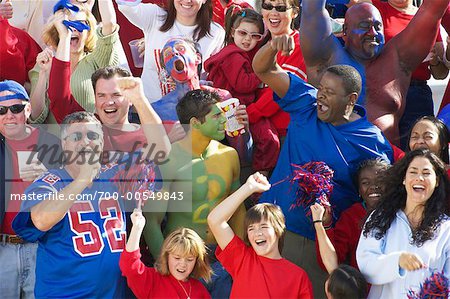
79	256
308	138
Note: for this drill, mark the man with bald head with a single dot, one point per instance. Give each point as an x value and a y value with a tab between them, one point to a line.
385	68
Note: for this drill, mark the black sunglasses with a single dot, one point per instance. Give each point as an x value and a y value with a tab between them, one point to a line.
279	8
77	136
17	108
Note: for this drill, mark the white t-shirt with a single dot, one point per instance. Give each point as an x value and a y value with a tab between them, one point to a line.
149	18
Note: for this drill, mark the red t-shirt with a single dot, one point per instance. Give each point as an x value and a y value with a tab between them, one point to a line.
18	186
146	282
394	22
260	277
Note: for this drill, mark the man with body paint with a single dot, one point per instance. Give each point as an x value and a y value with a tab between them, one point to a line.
204	172
214	168
385	69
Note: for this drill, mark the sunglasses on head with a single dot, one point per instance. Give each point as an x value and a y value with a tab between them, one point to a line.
279	8
243	33
17	108
77	136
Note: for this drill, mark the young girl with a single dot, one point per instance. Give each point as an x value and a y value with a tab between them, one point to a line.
257	268
181	263
231	69
338	244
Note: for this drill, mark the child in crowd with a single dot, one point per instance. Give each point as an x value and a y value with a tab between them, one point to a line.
345	282
338	245
231	69
258	270
183	260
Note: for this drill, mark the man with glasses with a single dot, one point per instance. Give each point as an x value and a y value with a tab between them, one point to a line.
20	165
326	126
76	215
385	69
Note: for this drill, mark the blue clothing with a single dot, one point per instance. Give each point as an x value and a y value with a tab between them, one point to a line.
378	259
342	148
18	264
79	256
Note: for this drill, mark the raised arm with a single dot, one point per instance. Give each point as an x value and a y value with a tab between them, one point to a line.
266	68
316	36
108	15
62	102
132	89
37	97
48	213
326	248
218	218
412	50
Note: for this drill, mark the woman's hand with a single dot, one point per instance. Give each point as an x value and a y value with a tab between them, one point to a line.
410	261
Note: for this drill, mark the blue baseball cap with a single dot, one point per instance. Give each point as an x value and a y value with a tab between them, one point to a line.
12	86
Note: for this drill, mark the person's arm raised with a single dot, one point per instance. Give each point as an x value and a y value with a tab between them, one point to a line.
219	216
132	89
265	65
412	50
48	213
108	15
316	36
138	221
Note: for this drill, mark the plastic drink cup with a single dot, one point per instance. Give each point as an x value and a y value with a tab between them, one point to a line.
137	60
232	127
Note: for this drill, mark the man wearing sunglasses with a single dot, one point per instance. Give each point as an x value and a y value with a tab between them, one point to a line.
77	216
328	126
385	69
20	165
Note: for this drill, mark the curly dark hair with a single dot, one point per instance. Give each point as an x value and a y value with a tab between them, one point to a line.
394	199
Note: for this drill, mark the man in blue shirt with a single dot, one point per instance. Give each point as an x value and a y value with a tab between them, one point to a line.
74	214
326	125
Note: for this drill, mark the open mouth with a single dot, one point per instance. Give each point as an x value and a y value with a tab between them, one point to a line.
260	242
74	40
322	107
110	110
274	23
418	188
186	6
181	271
179	65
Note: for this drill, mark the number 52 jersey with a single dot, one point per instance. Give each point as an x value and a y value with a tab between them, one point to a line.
79	256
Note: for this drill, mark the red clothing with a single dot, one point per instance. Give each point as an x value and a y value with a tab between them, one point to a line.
394	22
446	24
260	277
146	282
265	106
398	153
231	69
345	234
18	52
18	186
219	11
62	103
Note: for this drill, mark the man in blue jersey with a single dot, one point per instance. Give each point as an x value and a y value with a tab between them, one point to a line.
73	214
327	126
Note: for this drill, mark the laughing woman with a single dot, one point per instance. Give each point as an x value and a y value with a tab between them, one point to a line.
90	49
407	237
188	18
